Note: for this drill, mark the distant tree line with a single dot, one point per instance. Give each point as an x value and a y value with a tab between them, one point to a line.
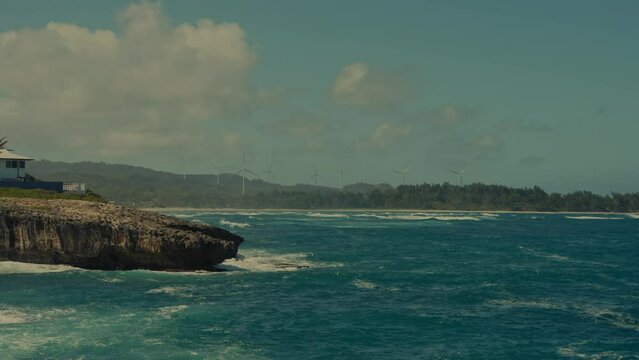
450	197
143	187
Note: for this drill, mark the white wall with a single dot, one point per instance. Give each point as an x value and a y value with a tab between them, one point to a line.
9	173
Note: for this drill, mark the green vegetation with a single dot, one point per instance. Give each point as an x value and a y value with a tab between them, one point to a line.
3	142
142	187
43	194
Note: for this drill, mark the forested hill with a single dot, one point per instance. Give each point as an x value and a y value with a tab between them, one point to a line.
143	187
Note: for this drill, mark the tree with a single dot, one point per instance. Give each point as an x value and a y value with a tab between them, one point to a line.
3	142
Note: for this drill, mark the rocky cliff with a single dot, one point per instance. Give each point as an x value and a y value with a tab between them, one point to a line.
104	236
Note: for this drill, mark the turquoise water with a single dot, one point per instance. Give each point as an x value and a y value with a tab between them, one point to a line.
350	286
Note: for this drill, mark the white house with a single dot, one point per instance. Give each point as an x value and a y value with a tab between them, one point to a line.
12	166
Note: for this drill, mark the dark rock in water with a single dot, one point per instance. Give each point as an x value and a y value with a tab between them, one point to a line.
103	236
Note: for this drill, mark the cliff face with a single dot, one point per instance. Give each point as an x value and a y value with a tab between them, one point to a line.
107	236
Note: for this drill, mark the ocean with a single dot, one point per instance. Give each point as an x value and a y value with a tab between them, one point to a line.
350	285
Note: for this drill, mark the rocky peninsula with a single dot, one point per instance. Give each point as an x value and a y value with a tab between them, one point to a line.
96	235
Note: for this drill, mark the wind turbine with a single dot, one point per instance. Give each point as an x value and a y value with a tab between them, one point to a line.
184	165
315	176
459	173
244	170
269	173
219	172
403	174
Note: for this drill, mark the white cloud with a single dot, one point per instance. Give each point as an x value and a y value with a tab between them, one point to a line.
149	85
383	136
359	85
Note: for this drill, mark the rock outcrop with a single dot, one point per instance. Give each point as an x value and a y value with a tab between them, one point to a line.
95	235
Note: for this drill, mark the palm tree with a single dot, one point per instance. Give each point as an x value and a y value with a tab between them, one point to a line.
3	142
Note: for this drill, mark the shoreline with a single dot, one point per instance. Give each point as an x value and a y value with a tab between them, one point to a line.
429	211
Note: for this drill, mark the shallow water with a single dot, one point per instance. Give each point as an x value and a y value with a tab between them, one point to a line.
350	285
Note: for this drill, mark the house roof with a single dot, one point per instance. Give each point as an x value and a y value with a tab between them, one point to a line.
8	155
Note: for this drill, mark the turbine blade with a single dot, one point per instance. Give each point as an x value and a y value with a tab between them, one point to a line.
252	173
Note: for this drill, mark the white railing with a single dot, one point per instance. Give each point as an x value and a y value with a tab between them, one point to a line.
74	187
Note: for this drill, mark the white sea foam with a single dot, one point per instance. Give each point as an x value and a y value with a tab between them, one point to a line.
615	318
545	255
12	316
612	317
167	311
574	351
633	216
363	284
263	261
513	303
327	215
593	218
183	216
421	216
490	214
12	267
234	224
180	291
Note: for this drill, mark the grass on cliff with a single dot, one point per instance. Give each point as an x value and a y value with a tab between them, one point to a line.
43	194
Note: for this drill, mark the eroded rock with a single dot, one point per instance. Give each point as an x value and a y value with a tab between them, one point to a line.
104	236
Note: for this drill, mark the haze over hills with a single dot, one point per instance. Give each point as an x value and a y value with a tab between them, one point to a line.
144	187
141	186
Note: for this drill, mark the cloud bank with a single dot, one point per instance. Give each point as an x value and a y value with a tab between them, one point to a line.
148	85
361	86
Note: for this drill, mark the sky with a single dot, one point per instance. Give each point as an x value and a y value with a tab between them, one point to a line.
519	93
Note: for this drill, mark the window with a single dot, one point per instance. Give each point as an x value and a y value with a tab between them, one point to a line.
7	164
22	164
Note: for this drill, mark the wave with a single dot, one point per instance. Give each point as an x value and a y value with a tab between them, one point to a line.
12	267
419	216
574	351
593	218
633	216
511	303
545	255
13	315
327	215
234	224
363	284
263	261
180	291
615	318
167	311
612	317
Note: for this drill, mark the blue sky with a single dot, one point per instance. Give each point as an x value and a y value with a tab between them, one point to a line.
518	93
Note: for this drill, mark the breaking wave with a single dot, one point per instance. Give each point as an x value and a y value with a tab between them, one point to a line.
263	261
167	311
232	224
424	216
12	267
363	284
593	218
180	291
327	215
